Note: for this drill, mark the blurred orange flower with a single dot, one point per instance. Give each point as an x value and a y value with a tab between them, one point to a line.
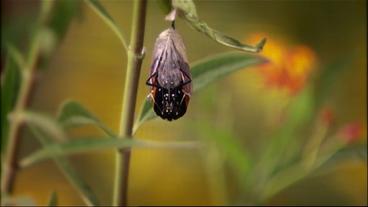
289	67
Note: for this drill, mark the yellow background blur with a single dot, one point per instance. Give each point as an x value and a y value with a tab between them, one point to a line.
89	67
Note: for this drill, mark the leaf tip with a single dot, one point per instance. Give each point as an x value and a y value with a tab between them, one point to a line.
261	44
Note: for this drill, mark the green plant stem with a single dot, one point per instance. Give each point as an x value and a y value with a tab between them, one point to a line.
135	57
312	148
11	158
26	85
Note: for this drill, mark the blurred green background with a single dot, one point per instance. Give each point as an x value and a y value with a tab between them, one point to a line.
89	66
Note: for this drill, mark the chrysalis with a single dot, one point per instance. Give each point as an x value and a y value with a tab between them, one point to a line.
170	77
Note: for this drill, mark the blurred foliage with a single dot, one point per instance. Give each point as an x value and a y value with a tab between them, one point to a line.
53	199
295	147
9	90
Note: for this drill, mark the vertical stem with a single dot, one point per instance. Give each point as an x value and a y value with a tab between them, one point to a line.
23	98
135	56
11	165
26	85
313	146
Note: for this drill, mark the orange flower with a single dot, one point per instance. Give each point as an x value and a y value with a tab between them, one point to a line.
289	67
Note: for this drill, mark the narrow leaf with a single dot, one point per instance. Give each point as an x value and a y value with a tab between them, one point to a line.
53	200
17	57
92	144
43	122
187	7
73	114
67	169
10	80
300	111
237	156
213	68
329	78
297	172
284	179
62	15
205	72
106	17
350	152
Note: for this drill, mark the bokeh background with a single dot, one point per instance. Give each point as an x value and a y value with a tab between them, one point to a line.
89	66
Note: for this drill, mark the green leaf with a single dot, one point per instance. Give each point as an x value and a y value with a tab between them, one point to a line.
63	13
350	152
90	144
282	180
43	122
17	57
299	113
213	68
187	7
205	72
328	78
106	17
67	169
10	81
165	5
233	150
297	172
73	114
53	200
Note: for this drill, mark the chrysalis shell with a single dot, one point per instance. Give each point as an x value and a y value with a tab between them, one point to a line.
170	77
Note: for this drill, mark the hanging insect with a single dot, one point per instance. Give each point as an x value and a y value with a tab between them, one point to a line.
169	77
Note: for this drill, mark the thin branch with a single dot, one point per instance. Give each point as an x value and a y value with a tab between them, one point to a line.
23	98
11	158
135	57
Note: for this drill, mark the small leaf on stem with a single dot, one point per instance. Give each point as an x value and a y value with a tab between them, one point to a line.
73	114
43	122
188	10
